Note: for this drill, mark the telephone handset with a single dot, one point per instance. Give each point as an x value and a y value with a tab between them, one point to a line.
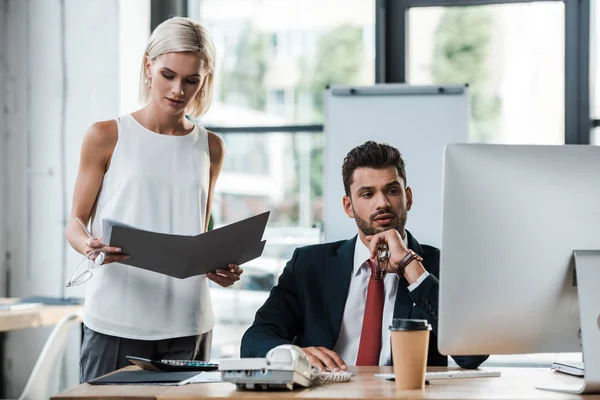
285	366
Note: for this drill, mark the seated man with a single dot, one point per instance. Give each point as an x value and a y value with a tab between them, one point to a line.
332	301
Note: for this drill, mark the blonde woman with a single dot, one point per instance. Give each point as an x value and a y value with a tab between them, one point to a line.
155	170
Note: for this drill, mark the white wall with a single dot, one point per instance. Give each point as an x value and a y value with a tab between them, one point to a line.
418	121
59	72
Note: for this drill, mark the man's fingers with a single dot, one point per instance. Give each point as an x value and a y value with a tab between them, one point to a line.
324	358
335	357
392	239
374	244
314	361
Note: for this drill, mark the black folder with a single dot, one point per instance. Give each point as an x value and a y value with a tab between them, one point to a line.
184	256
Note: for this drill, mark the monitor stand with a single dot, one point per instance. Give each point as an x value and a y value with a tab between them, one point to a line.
587	269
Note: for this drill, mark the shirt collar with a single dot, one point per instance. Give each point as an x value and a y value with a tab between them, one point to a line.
361	254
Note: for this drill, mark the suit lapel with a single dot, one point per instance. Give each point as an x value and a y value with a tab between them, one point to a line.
338	275
413	244
404	304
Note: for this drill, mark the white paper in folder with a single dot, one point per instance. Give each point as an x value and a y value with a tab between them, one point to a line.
183	256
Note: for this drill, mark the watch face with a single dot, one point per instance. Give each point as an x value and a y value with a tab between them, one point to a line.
417	257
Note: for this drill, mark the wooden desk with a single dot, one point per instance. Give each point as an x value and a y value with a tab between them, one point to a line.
515	383
33	317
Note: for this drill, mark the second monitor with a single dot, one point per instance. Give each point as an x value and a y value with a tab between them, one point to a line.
512	218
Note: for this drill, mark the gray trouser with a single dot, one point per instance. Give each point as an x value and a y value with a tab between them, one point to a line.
101	354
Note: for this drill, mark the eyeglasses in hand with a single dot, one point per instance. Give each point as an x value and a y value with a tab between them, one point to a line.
92	260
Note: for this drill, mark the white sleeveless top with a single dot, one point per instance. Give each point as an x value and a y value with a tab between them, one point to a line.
157	183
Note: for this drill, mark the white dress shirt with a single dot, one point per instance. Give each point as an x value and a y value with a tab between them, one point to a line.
350	331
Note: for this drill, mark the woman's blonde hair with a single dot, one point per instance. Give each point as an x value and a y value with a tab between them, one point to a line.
177	35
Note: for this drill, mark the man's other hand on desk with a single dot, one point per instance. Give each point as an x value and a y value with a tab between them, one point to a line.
226	277
325	359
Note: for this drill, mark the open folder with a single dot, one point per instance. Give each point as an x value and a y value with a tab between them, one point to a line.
184	256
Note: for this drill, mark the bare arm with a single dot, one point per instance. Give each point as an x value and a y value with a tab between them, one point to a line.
96	152
222	276
217	154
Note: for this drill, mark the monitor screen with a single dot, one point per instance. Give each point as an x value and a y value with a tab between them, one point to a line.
512	217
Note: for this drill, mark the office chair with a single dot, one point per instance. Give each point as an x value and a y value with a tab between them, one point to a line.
38	384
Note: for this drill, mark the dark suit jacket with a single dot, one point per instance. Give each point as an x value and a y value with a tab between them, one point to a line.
307	304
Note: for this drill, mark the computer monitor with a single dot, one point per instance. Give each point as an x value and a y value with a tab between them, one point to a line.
513	215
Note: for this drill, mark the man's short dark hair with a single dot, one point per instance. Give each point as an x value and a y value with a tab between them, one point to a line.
371	155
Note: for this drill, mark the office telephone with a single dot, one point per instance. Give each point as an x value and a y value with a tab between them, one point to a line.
285	367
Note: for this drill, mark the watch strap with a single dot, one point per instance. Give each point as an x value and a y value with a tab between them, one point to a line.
407	259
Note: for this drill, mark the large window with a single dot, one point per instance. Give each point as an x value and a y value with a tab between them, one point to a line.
512	57
275	58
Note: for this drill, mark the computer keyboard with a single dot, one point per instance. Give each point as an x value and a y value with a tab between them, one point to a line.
432	376
459	374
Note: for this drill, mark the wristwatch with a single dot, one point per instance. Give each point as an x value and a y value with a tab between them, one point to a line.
407	259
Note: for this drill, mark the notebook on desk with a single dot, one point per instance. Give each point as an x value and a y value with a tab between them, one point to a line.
143	377
27	303
452	374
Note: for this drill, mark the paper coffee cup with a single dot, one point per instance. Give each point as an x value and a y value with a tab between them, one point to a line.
410	344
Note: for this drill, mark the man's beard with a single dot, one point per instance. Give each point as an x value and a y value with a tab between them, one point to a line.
368	229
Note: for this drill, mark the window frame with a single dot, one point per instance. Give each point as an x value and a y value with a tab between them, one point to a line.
391	21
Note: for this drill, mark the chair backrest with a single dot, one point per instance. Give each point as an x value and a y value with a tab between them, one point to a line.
38	384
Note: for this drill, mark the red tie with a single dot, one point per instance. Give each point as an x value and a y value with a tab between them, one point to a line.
370	337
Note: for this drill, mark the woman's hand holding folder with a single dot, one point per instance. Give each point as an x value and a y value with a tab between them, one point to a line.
226	277
111	254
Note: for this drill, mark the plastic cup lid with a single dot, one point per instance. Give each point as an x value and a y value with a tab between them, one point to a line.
401	324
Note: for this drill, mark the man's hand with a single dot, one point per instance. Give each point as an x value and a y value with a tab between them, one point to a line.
224	277
395	245
325	359
396	252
